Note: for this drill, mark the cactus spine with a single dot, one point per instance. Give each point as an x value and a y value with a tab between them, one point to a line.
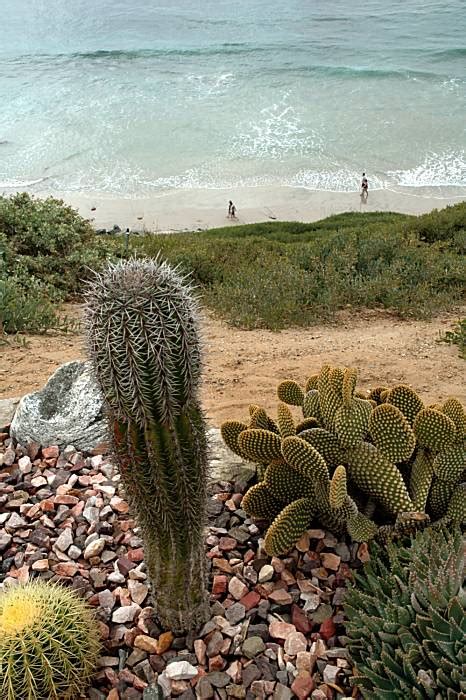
49	643
143	338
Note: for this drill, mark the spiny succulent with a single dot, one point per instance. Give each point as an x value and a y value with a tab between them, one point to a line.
49	643
366	462
406	628
143	339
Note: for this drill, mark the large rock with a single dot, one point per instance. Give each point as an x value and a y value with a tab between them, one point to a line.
66	411
7	411
69	411
224	464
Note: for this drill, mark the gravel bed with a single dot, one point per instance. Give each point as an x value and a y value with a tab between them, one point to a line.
276	624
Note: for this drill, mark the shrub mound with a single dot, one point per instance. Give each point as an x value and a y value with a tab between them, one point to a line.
46	248
278	274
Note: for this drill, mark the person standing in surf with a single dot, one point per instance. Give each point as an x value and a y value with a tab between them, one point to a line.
364	187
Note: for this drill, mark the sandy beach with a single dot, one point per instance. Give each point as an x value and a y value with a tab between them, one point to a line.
195	209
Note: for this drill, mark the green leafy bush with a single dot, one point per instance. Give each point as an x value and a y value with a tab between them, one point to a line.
280	274
406	628
46	249
49	240
457	336
447	226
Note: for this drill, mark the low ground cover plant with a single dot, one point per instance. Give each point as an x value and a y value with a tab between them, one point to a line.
457	336
279	274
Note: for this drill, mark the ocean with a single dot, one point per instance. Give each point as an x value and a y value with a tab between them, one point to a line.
136	97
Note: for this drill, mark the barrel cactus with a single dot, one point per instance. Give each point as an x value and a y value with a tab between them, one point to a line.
406	628
376	465
143	339
49	643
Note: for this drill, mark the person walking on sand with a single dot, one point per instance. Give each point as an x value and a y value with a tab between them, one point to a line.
364	187
231	210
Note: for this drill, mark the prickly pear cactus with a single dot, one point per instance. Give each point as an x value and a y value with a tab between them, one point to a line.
143	340
376	465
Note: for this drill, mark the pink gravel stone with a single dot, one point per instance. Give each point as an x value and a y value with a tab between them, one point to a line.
281	630
237	588
294	643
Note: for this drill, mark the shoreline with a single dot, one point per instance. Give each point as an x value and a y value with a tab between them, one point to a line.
200	209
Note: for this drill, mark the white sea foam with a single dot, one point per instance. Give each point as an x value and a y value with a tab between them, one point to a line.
436	170
277	131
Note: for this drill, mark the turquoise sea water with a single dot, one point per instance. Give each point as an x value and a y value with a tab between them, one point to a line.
137	96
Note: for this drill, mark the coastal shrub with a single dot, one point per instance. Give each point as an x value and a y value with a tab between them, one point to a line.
406	620
143	338
446	226
27	307
278	274
49	643
49	240
375	465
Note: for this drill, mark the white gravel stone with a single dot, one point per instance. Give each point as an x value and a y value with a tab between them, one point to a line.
266	573
180	670
127	613
74	552
24	464
94	548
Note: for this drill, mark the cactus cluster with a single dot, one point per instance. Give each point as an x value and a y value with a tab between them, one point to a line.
406	627
49	643
143	338
376	465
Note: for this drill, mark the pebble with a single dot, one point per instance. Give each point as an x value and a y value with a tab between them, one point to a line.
235	613
126	613
252	646
180	670
65	540
94	548
294	643
237	588
281	630
146	643
266	573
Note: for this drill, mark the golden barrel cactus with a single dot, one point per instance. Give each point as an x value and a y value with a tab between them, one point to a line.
49	643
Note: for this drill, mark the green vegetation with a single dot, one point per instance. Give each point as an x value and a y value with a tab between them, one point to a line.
374	465
277	274
49	643
406	625
270	275
46	249
457	336
143	337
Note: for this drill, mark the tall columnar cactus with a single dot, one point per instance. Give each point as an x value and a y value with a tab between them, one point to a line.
376	465
406	629
143	338
49	643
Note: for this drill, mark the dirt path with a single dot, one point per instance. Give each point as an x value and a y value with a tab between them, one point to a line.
244	367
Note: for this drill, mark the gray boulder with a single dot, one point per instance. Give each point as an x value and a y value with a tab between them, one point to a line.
224	464
7	411
66	411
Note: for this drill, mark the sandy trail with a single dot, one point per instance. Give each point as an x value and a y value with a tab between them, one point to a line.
243	367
